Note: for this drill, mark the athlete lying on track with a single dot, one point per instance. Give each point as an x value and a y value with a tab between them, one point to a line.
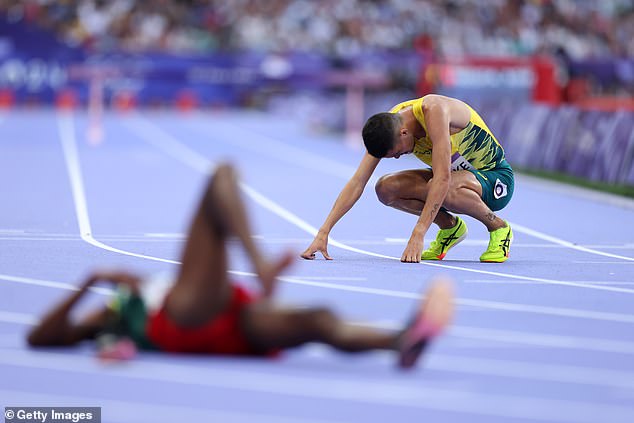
205	312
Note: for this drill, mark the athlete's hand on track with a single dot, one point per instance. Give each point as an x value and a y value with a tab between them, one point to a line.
414	250
320	243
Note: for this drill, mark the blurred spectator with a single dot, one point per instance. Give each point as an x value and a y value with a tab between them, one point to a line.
569	31
342	29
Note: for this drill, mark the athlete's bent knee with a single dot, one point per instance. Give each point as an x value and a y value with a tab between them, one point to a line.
386	189
451	199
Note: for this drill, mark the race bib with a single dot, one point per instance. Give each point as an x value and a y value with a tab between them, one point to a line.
460	163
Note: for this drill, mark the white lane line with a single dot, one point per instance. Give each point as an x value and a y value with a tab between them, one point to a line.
519	228
303	241
512	369
38	238
53	284
404	393
331	278
69	145
518	282
166	235
485	335
19	318
116	411
544	280
495	305
484	242
4	231
544	340
506	336
626	246
470	302
165	142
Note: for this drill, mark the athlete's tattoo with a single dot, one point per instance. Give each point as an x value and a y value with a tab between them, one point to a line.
491	216
435	210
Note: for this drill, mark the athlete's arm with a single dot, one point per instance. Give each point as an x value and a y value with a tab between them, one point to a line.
438	119
56	327
346	199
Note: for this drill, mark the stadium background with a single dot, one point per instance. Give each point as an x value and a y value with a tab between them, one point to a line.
554	79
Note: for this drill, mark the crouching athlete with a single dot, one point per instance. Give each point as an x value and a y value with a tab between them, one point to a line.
469	175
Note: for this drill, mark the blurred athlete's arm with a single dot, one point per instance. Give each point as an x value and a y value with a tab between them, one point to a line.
56	327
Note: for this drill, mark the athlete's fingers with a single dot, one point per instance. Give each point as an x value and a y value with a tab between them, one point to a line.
410	260
408	257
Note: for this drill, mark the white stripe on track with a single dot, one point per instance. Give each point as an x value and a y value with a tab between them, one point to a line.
469	302
117	411
494	305
502	282
519	228
512	369
69	145
19	318
401	393
506	336
53	284
486	335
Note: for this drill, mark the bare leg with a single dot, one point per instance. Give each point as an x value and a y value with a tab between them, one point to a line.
268	327
407	191
202	288
396	190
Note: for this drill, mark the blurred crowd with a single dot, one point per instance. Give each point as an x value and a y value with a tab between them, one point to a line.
341	28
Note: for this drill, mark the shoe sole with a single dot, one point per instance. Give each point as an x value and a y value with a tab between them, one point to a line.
434	316
494	261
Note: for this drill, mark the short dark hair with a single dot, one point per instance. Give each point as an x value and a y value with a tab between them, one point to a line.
379	133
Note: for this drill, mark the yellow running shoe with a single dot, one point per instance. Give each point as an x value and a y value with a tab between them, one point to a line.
499	245
445	240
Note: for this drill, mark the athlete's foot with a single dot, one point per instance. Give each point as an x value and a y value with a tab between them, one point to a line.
445	240
431	319
268	271
499	247
112	348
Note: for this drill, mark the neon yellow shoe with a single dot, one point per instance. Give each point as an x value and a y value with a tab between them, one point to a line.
445	240
499	245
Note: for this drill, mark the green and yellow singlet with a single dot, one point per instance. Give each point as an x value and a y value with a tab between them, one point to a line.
473	148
